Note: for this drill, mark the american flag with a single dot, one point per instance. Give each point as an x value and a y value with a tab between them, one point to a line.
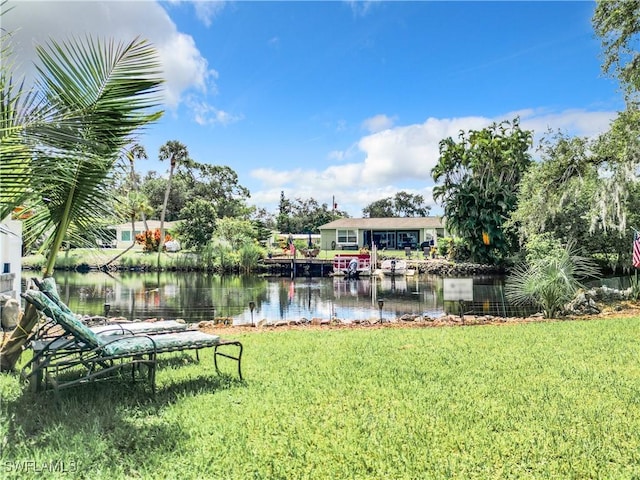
636	250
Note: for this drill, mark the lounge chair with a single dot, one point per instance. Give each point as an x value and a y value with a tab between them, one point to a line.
43	333
92	357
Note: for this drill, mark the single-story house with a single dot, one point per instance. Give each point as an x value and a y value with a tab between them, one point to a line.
391	233
124	236
10	257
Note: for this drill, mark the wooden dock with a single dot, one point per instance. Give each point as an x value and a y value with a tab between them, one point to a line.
299	267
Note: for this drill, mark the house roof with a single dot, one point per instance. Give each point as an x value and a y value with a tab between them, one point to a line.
385	223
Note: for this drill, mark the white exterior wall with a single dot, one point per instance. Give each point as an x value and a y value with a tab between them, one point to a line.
10	257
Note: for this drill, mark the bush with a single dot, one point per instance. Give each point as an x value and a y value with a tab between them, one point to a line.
550	282
250	254
150	239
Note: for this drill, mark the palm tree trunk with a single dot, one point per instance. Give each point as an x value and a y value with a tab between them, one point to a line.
12	346
164	211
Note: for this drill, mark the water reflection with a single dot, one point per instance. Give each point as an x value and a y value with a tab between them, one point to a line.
197	296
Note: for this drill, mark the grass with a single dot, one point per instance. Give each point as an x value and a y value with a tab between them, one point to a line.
542	400
97	257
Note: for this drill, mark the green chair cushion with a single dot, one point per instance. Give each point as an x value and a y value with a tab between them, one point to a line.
66	320
165	342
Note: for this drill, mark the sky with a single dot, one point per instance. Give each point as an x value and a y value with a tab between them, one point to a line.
344	100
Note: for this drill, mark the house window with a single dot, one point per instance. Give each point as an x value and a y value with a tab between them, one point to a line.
126	236
347	236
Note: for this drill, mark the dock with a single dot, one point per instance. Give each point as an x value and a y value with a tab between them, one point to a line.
299	267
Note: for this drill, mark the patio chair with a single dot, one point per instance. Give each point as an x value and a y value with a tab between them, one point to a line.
81	356
40	335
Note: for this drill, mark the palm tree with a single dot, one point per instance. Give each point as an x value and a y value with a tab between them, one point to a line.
137	152
177	154
551	281
60	140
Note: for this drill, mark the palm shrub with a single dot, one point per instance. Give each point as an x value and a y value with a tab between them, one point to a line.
549	282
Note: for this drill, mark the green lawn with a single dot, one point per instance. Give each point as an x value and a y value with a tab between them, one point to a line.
544	400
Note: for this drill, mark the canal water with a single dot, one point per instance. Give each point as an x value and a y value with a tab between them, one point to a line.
196	296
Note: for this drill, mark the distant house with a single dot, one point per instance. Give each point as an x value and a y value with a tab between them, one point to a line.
124	235
10	257
391	233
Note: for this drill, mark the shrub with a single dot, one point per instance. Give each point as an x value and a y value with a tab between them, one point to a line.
549	282
150	239
250	255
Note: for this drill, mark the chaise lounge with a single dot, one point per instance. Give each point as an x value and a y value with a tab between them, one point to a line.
80	355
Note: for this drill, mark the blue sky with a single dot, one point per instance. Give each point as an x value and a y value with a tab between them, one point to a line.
346	99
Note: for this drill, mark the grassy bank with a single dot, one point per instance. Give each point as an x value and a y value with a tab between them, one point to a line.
543	400
94	258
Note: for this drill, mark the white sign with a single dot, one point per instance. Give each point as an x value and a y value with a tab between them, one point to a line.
458	289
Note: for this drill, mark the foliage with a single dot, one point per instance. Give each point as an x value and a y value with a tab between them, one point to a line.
403	204
542	245
480	177
304	215
556	192
459	403
584	191
60	139
150	239
199	223
617	155
90	96
219	255
215	184
454	249
617	23
234	231
250	254
549	282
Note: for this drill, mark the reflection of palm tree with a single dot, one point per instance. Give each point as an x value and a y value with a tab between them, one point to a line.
61	140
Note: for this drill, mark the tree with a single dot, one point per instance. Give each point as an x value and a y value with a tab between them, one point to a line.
480	177
556	193
234	231
403	204
617	23
155	187
283	219
304	215
61	139
219	184
177	154
198	224
382	208
137	152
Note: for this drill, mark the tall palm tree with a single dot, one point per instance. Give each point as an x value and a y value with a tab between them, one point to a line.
177	154
59	140
137	152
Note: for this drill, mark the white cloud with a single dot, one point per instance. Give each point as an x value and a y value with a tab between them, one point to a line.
184	66
378	123
398	158
206	114
206	10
